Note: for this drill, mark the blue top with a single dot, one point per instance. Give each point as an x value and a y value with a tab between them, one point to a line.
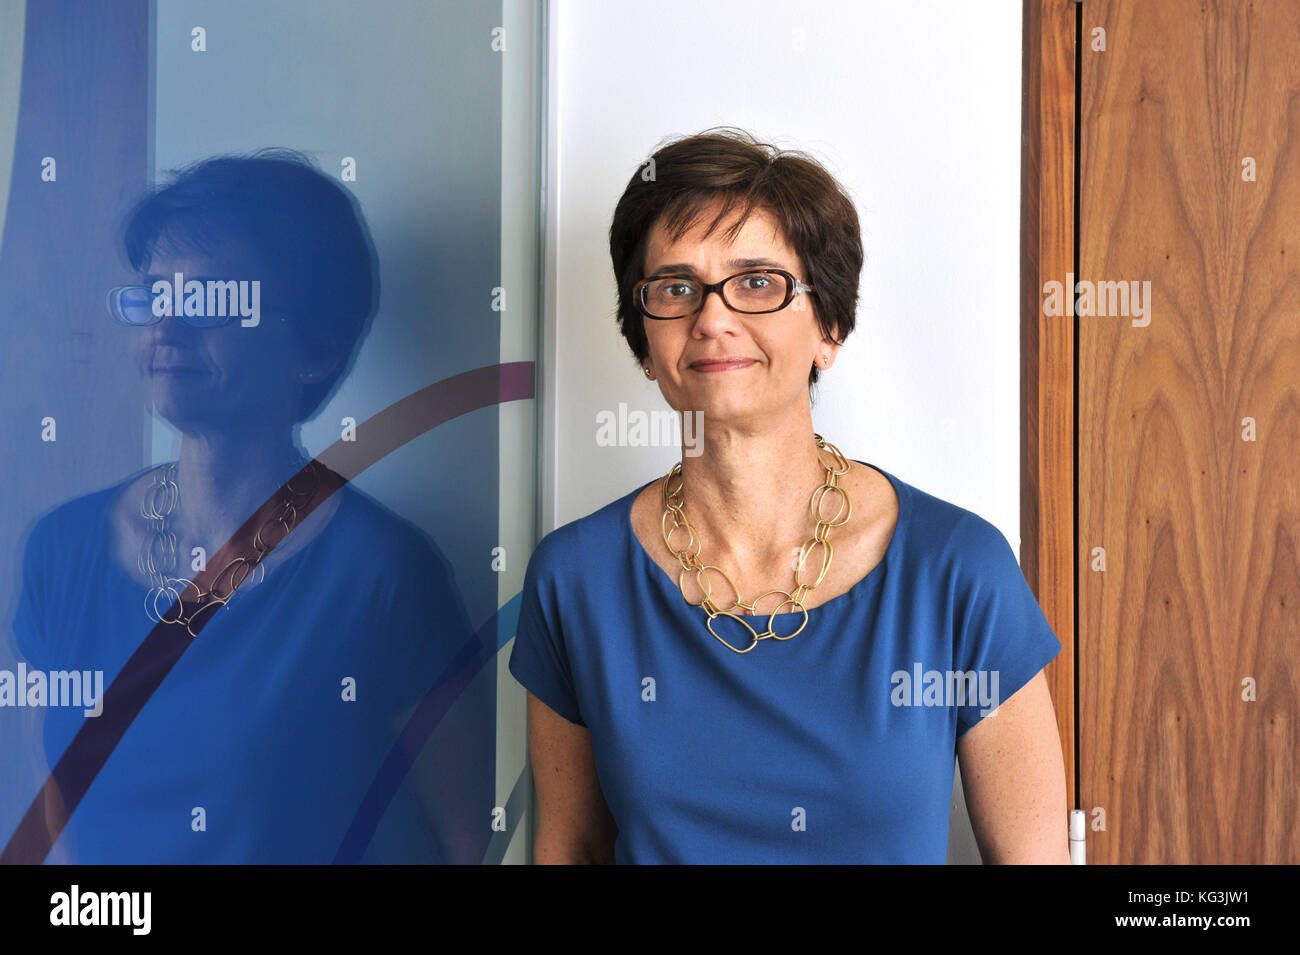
836	746
253	725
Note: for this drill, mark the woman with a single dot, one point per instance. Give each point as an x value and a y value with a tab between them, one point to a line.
266	740
763	669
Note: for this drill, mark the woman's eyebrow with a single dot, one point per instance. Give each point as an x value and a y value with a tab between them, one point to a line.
731	264
754	263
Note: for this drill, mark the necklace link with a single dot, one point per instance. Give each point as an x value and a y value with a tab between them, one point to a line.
157	556
673	494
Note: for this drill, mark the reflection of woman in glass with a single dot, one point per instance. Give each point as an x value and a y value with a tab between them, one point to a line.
734	663
262	741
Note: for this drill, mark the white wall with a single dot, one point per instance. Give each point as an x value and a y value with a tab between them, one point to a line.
915	107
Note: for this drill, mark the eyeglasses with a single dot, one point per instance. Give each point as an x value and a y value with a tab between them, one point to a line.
755	292
133	305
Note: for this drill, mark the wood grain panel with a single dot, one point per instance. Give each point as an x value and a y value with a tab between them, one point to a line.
1201	529
1047	346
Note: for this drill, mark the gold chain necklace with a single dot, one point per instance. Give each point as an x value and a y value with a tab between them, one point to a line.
688	555
158	553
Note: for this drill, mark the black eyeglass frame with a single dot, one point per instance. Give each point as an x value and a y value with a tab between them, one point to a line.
793	287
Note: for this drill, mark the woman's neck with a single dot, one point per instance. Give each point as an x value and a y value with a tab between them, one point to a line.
225	477
747	493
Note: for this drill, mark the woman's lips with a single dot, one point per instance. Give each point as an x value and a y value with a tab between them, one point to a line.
722	364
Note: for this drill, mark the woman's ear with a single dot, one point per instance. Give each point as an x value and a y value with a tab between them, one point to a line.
826	353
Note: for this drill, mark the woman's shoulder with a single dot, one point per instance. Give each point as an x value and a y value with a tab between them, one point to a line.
948	533
589	541
364	525
66	523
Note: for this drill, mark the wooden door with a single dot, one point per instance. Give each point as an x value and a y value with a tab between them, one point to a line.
1186	437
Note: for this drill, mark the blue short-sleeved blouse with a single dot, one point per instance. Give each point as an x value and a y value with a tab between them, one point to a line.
836	746
255	725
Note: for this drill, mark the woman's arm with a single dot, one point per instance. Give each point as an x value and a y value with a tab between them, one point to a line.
574	825
1013	776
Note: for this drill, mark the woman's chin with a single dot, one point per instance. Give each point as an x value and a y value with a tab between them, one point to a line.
722	409
186	412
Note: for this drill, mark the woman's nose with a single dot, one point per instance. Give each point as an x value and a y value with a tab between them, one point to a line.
171	330
714	316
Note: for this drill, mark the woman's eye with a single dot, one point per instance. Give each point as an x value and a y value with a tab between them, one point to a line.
677	290
754	282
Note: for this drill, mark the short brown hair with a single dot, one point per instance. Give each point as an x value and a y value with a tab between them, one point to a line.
730	166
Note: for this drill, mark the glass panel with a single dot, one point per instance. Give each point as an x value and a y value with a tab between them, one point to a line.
332	207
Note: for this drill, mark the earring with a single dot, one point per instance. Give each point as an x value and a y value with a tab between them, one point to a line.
647	372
